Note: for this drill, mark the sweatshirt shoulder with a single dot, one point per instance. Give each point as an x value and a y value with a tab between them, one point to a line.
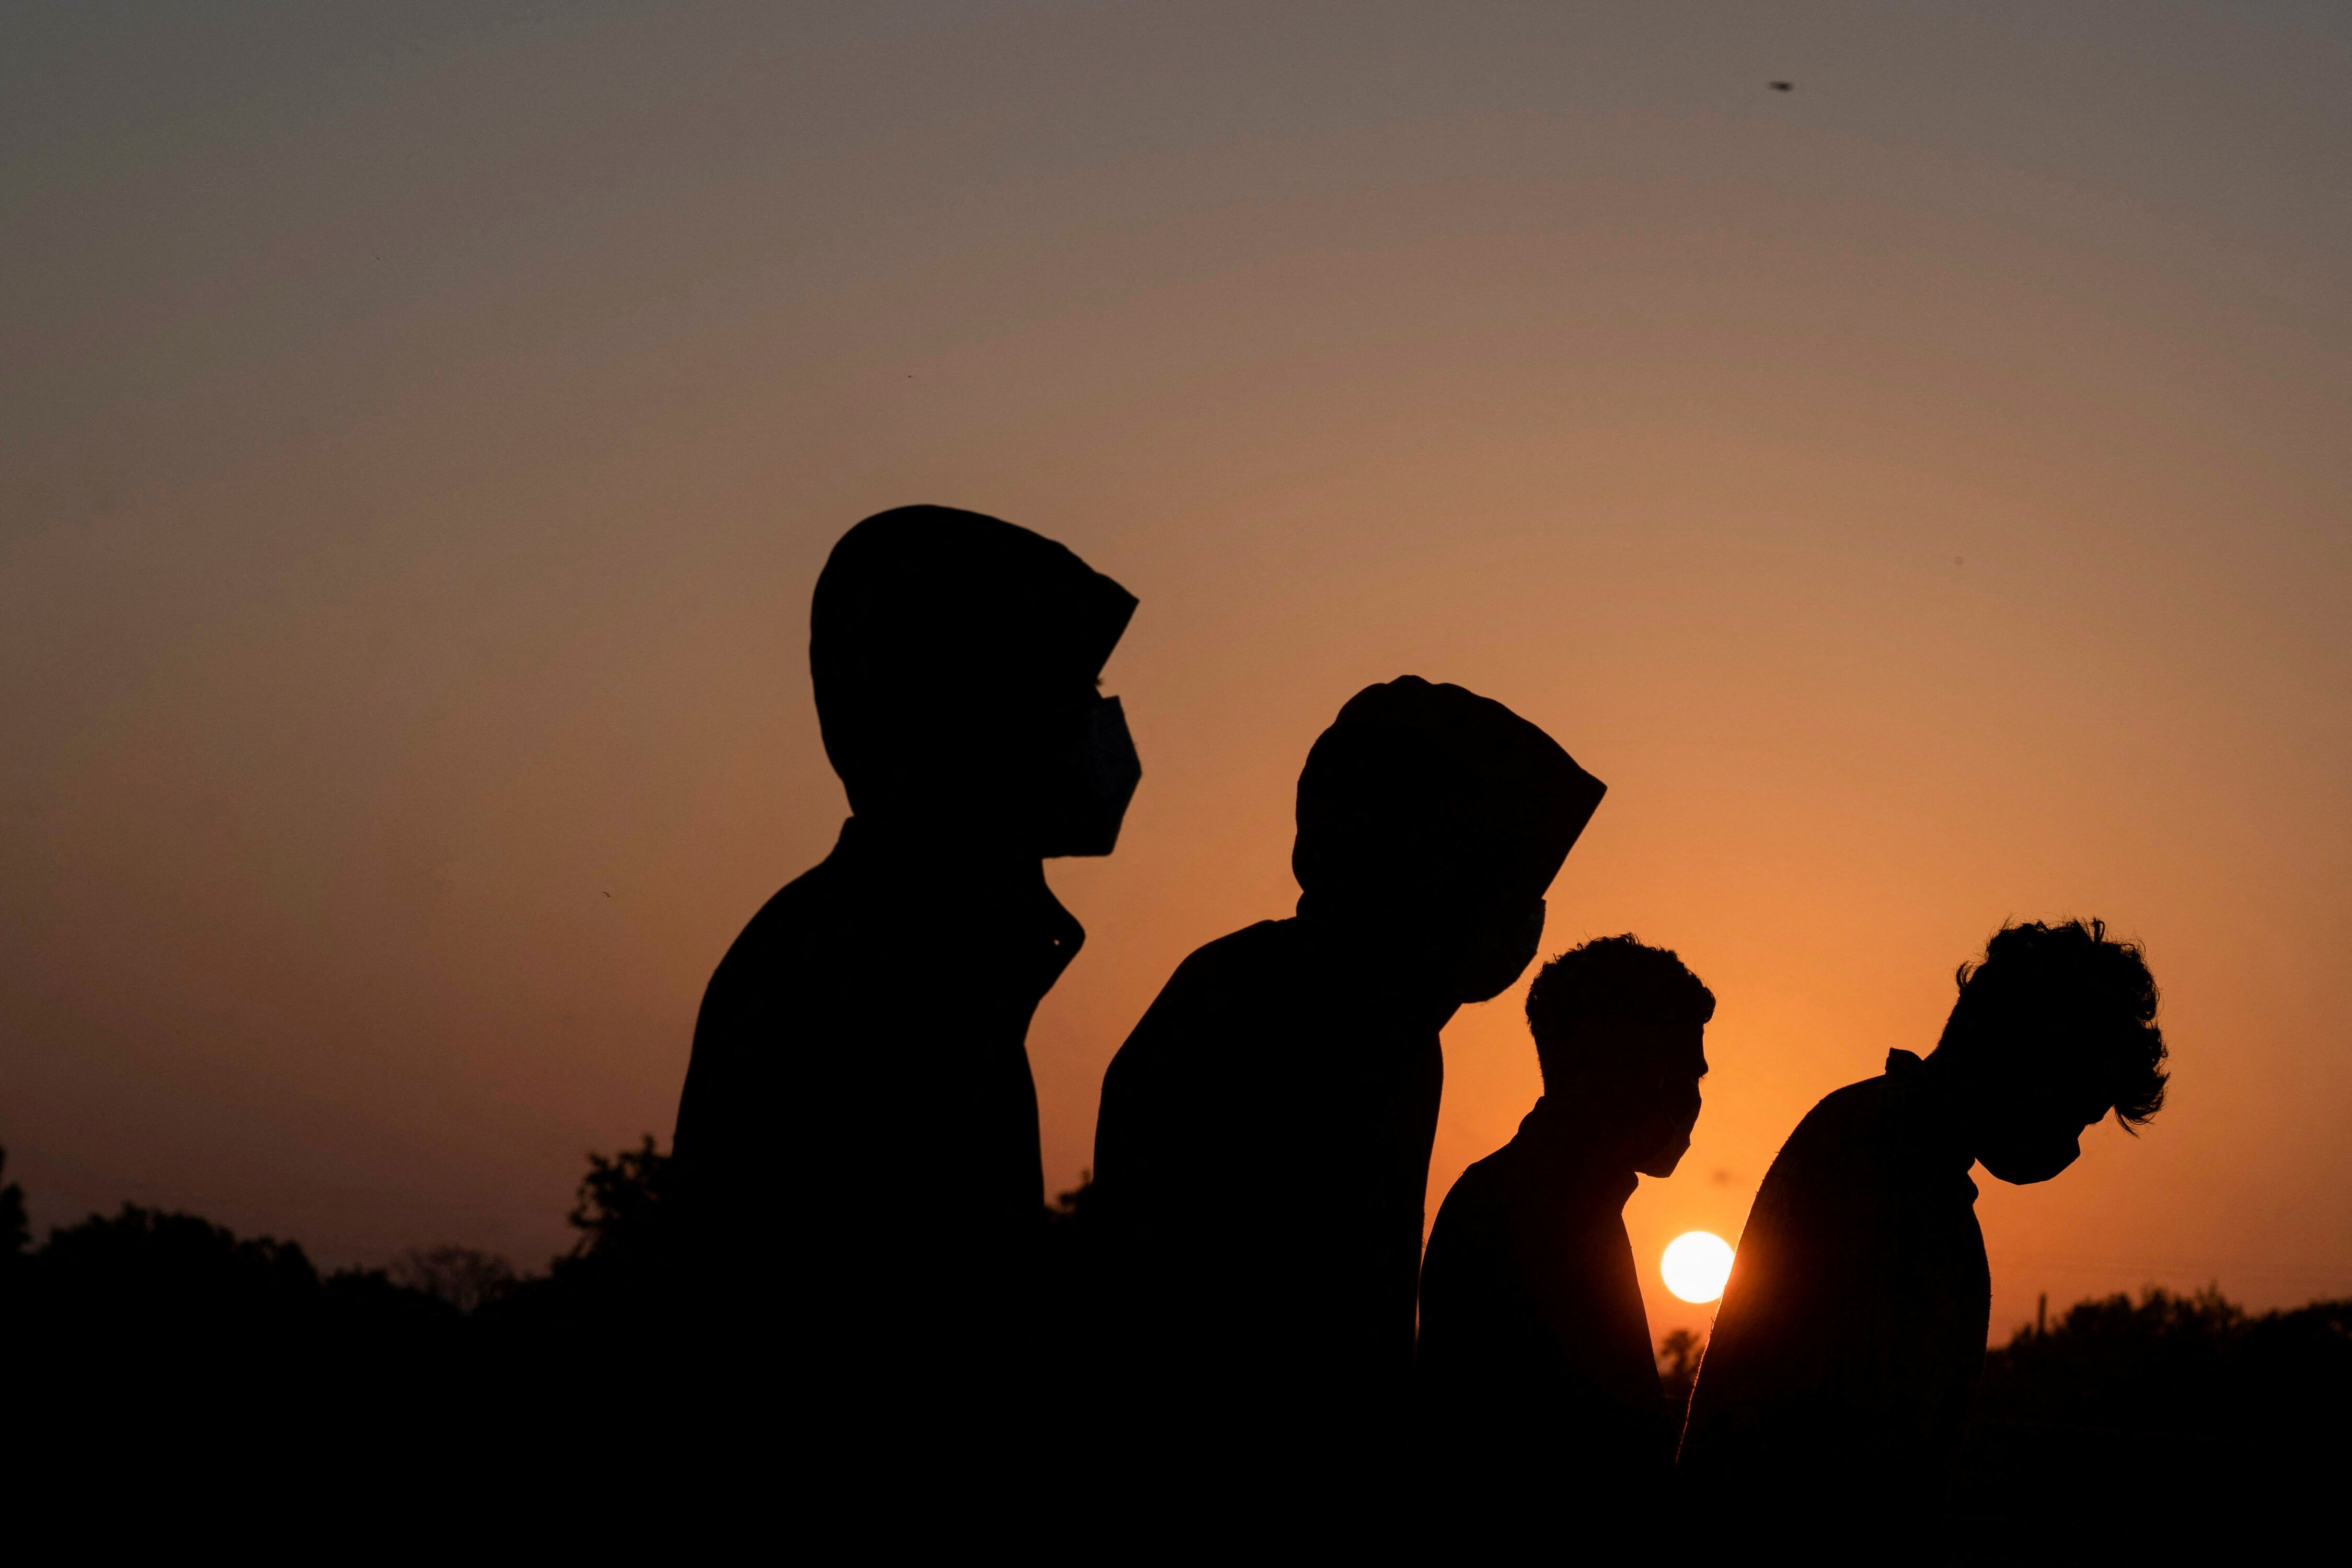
1248	951
1222	993
800	922
1236	971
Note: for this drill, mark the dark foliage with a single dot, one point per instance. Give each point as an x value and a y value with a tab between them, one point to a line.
1678	1355
171	1350
603	1296
2241	1411
175	1274
465	1278
1071	1265
14	1234
168	1343
622	1215
144	1288
2172	1364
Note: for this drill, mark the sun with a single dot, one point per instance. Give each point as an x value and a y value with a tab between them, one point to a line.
1696	1265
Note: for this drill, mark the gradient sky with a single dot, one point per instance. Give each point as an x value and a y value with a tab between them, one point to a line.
1921	496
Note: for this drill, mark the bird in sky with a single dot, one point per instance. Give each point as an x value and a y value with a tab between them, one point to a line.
1783	86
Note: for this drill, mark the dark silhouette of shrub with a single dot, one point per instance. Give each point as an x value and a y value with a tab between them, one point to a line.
165	1340
16	1235
1678	1355
2240	1409
2170	1362
166	1278
465	1277
622	1213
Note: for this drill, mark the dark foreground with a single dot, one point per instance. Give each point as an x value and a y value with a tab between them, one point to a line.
169	1377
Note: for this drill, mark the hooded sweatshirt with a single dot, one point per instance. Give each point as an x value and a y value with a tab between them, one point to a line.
857	1145
1263	1154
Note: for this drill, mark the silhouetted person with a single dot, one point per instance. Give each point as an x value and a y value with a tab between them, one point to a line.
858	1149
1837	1379
1540	1401
1263	1151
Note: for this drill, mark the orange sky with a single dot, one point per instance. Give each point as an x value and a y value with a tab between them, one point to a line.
1922	497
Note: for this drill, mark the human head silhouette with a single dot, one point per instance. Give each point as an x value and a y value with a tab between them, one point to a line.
1620	1034
956	661
2053	1030
1430	822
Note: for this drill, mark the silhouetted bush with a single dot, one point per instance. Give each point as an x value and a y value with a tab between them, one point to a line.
463	1278
2238	1413
1678	1355
628	1242
2168	1362
604	1296
162	1338
14	1234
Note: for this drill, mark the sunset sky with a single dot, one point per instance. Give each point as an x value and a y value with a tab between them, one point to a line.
1924	496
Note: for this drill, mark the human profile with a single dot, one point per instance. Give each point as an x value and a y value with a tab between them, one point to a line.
858	1140
1836	1381
1540	1403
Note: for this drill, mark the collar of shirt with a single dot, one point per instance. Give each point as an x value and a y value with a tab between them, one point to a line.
1372	974
1554	1135
997	902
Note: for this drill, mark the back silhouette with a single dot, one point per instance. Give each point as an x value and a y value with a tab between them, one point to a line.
857	1156
1269	1345
1836	1383
1541	1399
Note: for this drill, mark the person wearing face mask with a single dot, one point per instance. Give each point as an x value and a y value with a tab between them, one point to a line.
1843	1358
1262	1156
1541	1399
857	1158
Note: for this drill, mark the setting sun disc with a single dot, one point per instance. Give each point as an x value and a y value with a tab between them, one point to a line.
1696	1265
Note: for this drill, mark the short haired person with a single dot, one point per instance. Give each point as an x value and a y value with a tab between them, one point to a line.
1263	1155
857	1142
1837	1379
1541	1399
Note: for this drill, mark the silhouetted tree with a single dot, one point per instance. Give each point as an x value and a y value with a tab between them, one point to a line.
175	1275
1678	1354
621	1206
597	1299
2171	1363
627	1248
2245	1410
1068	1210
464	1277
1068	1279
14	1234
168	1344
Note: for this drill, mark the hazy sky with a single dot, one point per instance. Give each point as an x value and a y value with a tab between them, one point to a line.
1921	496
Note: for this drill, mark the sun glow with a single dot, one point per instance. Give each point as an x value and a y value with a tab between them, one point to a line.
1696	1265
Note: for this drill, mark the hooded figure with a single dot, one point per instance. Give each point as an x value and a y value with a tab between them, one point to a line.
1263	1153
857	1148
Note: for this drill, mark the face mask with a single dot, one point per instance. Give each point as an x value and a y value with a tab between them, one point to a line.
1092	784
2024	1160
